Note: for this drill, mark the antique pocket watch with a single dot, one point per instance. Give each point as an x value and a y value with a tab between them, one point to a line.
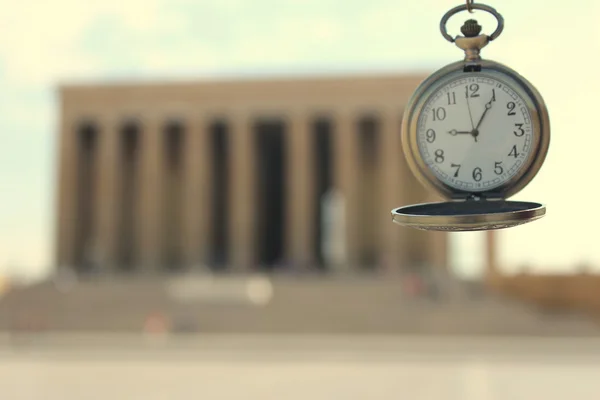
476	132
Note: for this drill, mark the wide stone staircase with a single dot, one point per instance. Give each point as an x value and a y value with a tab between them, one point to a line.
279	304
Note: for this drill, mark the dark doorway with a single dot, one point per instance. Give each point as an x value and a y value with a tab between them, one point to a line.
322	148
271	172
173	196
219	220
368	193
129	162
87	143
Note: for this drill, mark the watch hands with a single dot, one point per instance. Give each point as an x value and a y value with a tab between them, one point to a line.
488	105
454	132
469	107
473	133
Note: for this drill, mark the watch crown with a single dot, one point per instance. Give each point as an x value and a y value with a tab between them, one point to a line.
471	28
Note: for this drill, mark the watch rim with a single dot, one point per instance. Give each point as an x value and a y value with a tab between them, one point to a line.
467	222
540	131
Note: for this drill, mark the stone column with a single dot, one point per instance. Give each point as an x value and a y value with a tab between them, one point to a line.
300	195
395	193
242	194
151	196
67	193
107	193
345	179
196	191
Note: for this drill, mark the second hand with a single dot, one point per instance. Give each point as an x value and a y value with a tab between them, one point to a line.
469	107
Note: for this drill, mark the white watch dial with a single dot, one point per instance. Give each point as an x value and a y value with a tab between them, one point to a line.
475	133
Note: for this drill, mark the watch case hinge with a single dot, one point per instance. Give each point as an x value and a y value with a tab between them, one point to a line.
484	197
479	197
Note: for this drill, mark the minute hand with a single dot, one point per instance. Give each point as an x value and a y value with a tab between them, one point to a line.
488	105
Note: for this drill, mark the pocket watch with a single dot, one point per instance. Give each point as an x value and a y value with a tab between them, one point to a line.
476	132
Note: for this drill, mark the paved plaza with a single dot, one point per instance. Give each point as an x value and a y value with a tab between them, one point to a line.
300	367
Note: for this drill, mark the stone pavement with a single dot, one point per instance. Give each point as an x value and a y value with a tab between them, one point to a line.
281	305
301	367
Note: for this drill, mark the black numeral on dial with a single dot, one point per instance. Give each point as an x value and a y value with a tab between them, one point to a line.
514	152
511	108
472	89
477	175
430	135
498	170
439	114
520	131
457	166
451	98
439	156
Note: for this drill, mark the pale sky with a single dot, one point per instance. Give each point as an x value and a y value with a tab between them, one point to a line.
45	43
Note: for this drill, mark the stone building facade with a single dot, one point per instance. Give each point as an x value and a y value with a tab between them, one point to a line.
240	175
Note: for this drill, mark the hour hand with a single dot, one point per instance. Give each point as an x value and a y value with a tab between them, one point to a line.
454	132
488	105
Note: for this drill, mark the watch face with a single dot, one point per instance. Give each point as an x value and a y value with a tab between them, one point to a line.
475	132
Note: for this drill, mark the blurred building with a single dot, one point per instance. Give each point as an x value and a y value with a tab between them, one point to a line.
240	175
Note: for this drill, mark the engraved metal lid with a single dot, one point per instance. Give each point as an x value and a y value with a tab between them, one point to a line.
469	215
